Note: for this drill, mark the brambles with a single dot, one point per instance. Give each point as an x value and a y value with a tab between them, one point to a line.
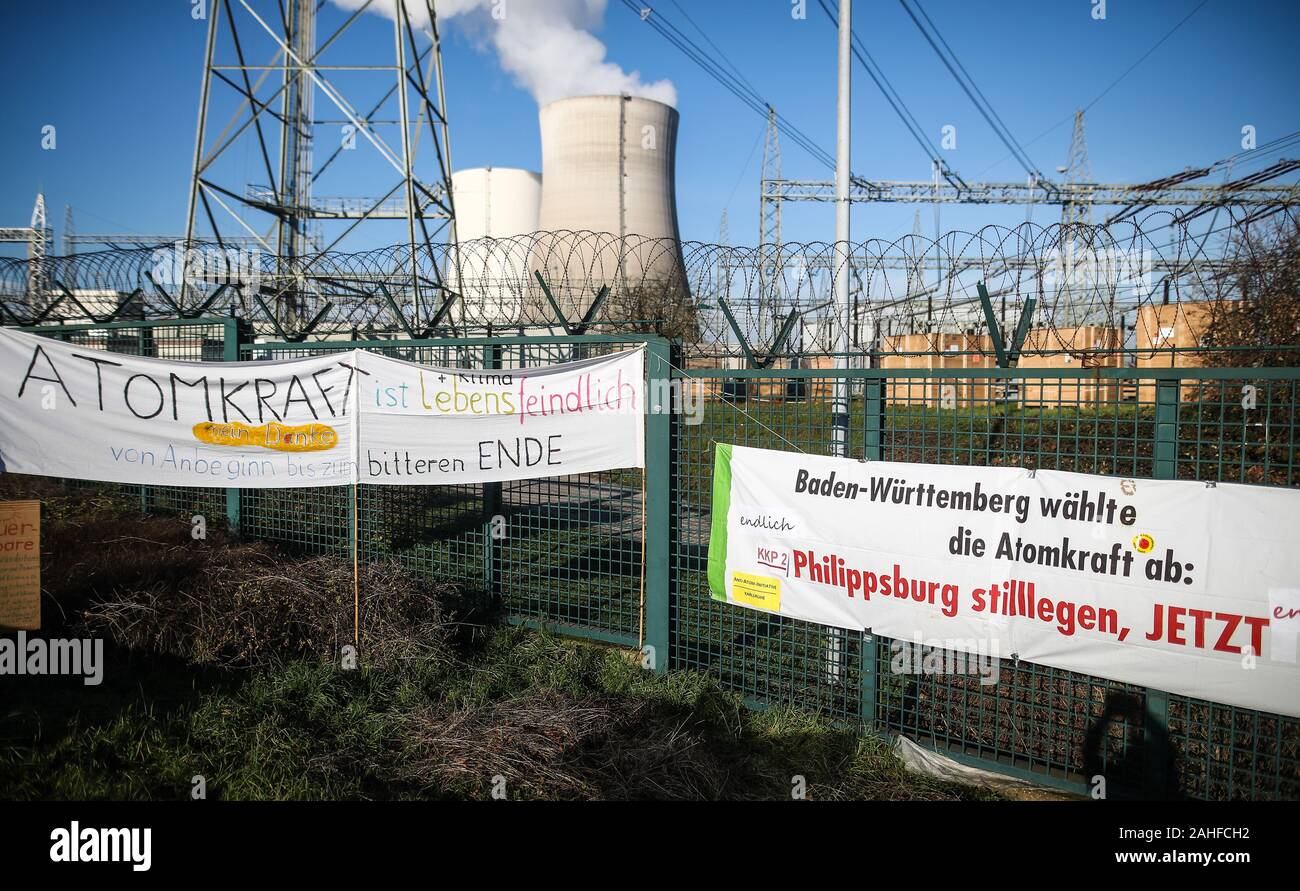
665	308
441	708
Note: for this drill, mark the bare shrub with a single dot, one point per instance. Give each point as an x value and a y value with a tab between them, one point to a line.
1263	273
664	308
247	605
557	745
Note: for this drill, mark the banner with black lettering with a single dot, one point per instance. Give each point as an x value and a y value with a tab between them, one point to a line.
80	412
1187	587
423	425
84	413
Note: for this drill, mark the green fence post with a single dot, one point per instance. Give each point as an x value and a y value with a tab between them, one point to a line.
1155	775
1166	432
142	349
492	508
873	449
873	432
995	332
658	491
231	335
870	689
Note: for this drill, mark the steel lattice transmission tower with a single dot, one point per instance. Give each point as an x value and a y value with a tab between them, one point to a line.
916	268
37	248
1074	216
69	232
1078	173
769	226
312	94
38	238
769	211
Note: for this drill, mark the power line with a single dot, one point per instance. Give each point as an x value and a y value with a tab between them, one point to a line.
1241	159
1250	156
716	48
1143	57
990	116
892	96
743	170
1099	96
738	87
974	85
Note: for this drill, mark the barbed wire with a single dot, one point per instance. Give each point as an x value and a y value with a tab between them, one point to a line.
720	300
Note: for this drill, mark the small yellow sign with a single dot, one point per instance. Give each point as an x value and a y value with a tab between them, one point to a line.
20	565
760	591
280	437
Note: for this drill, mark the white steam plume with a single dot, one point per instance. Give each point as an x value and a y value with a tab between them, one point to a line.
546	45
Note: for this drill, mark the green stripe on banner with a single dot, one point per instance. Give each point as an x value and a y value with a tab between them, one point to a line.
718	530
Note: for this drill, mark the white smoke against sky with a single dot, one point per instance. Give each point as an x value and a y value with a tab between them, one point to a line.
546	45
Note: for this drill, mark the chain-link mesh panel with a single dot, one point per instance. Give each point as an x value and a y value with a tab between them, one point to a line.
1240	431
1226	753
767	659
1031	718
564	551
567	551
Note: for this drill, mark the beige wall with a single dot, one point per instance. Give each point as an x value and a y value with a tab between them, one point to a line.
1161	327
939	351
1067	348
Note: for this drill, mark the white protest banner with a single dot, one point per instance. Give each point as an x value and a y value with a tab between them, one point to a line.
423	425
1174	585
83	413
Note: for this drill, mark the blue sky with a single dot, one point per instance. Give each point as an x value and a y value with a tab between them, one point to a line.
120	82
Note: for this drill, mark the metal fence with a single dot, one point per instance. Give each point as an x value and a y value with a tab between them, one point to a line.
560	551
1044	723
1131	277
567	552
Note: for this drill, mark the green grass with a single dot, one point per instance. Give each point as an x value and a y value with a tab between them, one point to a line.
1216	438
304	730
555	717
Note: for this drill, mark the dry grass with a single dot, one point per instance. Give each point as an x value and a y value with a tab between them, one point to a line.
247	605
146	584
552	744
431	714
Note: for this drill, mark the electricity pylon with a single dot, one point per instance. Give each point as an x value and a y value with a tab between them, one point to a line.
306	109
769	228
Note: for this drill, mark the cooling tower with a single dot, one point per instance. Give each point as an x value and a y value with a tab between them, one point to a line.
608	198
489	265
495	202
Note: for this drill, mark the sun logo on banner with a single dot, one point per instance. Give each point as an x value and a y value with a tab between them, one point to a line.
1143	543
